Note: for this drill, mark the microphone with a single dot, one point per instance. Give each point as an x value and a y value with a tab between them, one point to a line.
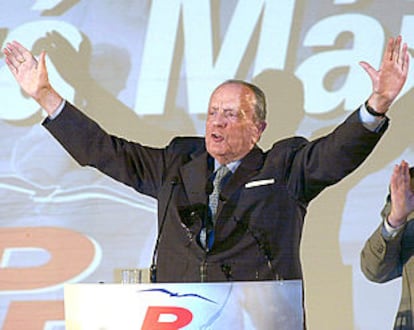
153	269
207	221
226	269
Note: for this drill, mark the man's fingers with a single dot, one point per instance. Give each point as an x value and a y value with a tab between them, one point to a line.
406	63
404	58
396	49
12	54
11	67
19	47
368	68
11	60
389	49
42	59
17	51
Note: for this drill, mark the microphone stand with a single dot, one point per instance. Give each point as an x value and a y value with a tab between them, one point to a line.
153	268
207	228
264	248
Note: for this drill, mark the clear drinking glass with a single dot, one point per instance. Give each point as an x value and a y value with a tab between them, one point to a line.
131	276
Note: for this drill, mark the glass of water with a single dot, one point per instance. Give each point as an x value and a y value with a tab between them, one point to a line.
131	276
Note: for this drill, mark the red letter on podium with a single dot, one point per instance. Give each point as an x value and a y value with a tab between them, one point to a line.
152	318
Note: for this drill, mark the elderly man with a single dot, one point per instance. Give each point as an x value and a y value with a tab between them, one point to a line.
227	210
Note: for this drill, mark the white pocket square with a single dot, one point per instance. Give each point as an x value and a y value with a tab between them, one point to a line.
259	183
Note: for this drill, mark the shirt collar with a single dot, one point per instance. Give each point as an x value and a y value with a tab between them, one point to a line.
231	166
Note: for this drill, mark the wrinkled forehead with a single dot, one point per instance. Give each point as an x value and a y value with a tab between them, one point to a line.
232	93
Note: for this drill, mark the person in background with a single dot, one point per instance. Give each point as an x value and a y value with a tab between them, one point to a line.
388	252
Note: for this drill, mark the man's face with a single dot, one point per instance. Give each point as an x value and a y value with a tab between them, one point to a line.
231	131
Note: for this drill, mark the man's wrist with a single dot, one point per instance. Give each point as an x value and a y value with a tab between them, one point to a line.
372	111
389	231
49	100
372	123
58	110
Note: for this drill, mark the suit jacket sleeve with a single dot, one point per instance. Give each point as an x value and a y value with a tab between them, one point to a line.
131	163
380	258
328	159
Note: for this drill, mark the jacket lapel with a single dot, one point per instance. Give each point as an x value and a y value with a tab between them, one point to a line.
196	173
249	167
194	176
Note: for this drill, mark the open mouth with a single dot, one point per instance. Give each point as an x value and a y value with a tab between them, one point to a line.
217	137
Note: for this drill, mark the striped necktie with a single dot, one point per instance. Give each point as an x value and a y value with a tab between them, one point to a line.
213	203
217	185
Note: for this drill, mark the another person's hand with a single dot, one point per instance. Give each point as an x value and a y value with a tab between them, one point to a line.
402	195
31	74
388	81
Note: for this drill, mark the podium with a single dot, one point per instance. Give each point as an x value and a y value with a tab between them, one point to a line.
166	306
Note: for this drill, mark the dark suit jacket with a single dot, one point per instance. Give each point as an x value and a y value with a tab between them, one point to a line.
262	206
384	260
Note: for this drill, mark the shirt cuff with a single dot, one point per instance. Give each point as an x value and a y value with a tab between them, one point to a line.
373	123
389	232
58	110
